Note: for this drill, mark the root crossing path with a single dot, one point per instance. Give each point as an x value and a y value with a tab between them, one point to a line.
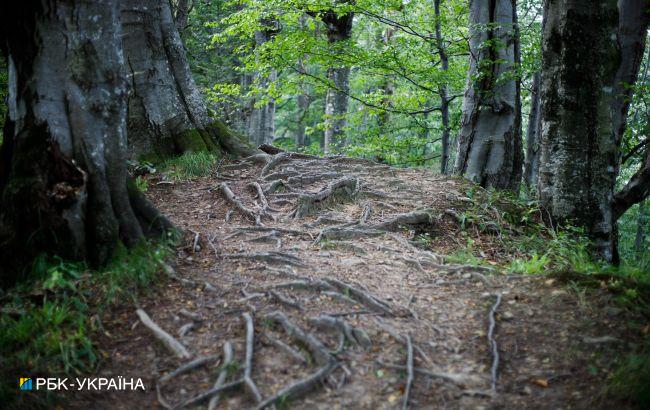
303	283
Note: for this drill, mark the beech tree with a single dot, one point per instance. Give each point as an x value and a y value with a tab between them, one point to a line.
63	183
167	114
489	143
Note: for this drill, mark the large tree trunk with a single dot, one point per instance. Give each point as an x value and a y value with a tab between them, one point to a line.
531	165
489	142
64	185
580	57
167	114
339	29
443	92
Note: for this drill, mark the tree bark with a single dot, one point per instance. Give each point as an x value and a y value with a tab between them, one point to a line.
443	92
64	186
578	151
639	239
339	29
489	142
531	165
167	114
181	16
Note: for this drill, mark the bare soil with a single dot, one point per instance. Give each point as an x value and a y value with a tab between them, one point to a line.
556	347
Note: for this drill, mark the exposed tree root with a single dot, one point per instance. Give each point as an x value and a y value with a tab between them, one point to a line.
285	347
316	348
493	343
300	387
230	196
221	379
409	372
174	346
365	213
461	380
344	187
365	298
270	256
410	219
352	334
249	384
192	401
336	233
196	363
285	300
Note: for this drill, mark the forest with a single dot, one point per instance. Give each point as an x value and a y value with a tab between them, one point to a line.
356	204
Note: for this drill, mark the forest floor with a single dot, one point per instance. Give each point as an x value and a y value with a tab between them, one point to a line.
346	302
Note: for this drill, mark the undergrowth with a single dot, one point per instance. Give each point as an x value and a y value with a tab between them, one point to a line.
49	321
191	165
510	234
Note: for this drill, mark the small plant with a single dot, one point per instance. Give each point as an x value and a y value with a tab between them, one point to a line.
191	165
141	184
533	266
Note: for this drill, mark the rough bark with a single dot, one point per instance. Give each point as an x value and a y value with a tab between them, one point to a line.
531	165
167	114
443	92
339	29
182	14
64	184
578	158
489	142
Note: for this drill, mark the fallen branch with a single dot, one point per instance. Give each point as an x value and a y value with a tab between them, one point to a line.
173	345
221	379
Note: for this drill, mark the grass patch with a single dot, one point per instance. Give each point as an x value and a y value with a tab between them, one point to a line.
48	322
191	165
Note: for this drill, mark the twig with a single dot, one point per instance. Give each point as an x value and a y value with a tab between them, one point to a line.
409	372
493	342
221	379
173	345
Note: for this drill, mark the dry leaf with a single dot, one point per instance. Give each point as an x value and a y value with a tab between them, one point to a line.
541	382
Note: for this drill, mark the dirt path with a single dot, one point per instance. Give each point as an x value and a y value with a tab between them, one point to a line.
366	301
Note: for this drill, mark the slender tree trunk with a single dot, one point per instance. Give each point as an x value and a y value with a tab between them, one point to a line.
578	158
489	143
303	103
634	16
639	240
64	189
339	29
443	92
182	14
531	166
167	114
261	127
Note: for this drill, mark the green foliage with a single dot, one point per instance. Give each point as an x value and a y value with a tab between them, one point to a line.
48	322
141	184
191	165
632	379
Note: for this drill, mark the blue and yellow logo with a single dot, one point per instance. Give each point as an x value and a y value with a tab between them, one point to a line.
25	383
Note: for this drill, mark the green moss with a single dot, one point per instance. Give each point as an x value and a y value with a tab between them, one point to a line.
190	140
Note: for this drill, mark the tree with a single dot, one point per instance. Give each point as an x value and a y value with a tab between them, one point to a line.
63	184
489	142
578	158
443	92
167	114
531	164
339	29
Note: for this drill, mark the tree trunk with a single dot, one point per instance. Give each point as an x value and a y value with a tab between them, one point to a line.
578	158
339	29
531	166
64	189
489	142
182	14
634	16
167	114
639	240
261	124
443	92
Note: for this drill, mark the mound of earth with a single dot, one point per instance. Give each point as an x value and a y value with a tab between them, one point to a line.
300	284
